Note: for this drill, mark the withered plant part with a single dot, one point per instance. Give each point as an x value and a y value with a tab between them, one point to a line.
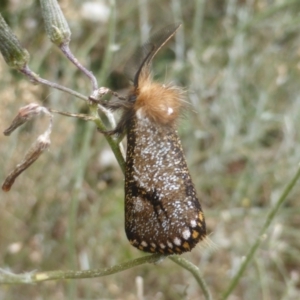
41	144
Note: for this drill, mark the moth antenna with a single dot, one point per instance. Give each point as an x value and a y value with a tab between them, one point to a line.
142	67
143	56
159	39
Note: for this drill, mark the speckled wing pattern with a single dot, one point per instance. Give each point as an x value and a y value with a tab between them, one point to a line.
162	212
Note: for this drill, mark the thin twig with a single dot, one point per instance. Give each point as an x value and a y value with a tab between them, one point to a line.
68	114
261	235
67	52
37	79
29	278
114	143
195	272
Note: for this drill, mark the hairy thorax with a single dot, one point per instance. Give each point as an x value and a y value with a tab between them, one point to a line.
159	103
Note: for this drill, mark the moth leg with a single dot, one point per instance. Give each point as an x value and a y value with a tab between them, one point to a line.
115	104
122	126
119	131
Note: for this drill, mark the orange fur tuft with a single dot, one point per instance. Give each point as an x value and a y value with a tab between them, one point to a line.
160	103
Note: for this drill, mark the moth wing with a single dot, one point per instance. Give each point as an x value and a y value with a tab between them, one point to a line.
162	212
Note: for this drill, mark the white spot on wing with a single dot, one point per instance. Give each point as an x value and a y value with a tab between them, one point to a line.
186	234
138	204
162	246
170	245
144	244
193	223
177	241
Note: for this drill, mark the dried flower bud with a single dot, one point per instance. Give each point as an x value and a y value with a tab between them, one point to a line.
56	25
42	143
14	54
25	114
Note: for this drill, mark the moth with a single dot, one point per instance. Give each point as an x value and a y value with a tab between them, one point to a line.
162	212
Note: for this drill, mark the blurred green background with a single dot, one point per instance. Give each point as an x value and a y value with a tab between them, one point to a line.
239	61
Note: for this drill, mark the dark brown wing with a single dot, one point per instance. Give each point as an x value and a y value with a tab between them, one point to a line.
144	54
162	212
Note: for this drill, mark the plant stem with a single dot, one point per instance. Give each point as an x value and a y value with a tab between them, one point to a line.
107	57
67	52
195	272
37	79
261	235
113	143
29	278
